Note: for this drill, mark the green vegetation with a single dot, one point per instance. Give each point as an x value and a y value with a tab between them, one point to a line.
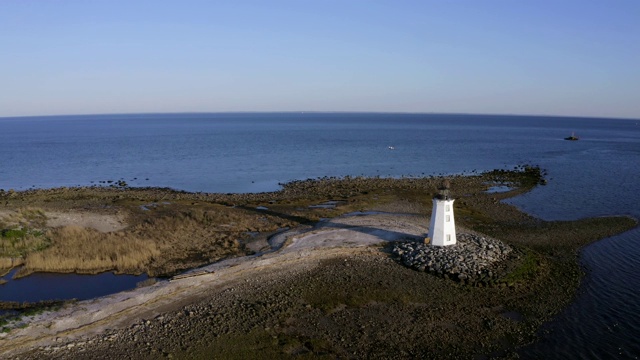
14	318
21	233
528	268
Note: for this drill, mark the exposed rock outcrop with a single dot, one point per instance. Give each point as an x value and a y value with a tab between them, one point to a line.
473	259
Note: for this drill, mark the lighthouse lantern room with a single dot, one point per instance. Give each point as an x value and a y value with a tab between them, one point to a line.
442	229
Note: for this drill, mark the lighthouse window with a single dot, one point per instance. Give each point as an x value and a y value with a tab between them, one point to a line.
448	237
447	208
448	218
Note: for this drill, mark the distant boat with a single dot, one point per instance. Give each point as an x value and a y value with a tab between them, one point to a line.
573	137
391	148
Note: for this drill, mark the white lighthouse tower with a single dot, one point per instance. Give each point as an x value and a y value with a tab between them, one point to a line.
442	229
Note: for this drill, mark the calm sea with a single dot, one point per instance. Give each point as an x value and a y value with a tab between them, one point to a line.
253	152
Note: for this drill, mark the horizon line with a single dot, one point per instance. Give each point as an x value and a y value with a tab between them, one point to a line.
320	112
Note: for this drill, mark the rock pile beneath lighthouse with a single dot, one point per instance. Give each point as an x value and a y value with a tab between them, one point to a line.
473	259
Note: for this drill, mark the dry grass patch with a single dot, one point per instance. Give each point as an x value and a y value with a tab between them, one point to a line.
6	264
24	218
76	249
189	236
161	241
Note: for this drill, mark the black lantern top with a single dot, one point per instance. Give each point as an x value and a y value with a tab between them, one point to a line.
444	190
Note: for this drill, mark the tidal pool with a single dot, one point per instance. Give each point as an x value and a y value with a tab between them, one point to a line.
499	189
56	286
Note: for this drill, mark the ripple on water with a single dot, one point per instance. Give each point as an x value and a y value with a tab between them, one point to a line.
599	324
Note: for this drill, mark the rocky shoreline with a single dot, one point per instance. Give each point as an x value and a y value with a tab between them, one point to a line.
472	260
331	290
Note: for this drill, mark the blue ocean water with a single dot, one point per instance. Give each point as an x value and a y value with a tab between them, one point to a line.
253	152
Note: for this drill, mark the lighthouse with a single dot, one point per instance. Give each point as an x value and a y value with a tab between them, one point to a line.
442	229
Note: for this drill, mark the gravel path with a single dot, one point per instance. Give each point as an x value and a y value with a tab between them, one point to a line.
334	290
74	327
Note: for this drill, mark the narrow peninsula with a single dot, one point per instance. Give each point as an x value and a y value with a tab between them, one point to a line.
329	268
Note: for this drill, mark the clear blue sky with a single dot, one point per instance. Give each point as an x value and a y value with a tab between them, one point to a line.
556	57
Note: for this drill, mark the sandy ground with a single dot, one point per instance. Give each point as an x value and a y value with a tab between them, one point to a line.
100	222
295	248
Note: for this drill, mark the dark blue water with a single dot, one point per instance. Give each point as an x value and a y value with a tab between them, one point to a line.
48	286
254	152
600	178
595	176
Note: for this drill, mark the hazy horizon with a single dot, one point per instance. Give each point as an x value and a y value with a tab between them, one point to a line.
312	112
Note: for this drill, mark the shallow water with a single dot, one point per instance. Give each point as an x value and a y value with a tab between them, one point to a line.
498	189
51	286
602	322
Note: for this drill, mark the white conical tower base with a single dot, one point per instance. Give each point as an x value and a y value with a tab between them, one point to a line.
442	229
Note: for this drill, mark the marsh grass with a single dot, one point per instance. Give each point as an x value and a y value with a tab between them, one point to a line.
6	264
21	233
24	218
161	242
15	247
184	230
188	236
83	250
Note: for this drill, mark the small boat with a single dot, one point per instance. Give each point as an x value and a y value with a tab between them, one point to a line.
391	148
573	137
